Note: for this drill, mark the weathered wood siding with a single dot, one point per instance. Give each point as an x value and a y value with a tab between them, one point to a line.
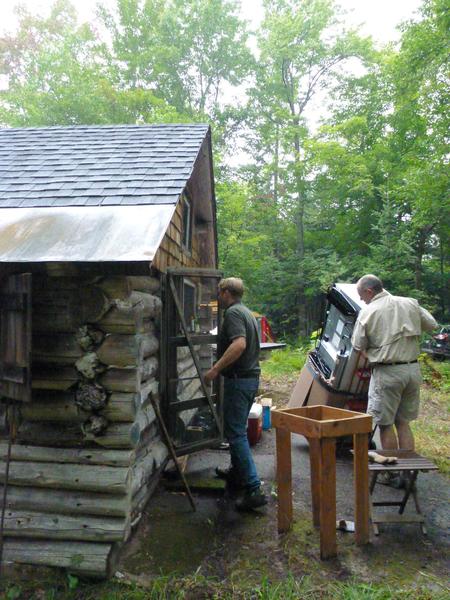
171	252
87	453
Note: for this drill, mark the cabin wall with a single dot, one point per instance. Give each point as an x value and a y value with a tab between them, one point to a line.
87	453
172	253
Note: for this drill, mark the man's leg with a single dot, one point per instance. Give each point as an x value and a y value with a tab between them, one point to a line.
238	397
388	437
405	435
409	407
384	397
385	392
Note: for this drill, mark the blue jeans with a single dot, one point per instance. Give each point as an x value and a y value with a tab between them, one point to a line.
238	399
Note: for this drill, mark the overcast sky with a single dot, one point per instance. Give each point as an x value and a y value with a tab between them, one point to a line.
378	18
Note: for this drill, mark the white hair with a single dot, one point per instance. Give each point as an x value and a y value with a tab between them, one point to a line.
370	282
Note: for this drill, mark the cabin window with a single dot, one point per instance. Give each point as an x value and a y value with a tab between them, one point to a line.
187	224
189	306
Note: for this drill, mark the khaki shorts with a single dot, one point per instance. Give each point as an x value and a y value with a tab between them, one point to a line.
394	392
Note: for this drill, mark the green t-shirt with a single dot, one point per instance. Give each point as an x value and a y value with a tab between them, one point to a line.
238	321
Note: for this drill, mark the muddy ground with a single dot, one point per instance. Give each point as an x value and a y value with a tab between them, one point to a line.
217	541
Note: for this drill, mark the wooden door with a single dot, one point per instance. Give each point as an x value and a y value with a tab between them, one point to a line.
194	422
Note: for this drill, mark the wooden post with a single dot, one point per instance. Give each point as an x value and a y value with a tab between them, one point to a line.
328	548
314	461
361	477
284	480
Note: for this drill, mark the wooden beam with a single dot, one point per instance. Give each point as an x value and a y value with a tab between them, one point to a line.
86	558
328	548
284	479
361	478
193	272
314	461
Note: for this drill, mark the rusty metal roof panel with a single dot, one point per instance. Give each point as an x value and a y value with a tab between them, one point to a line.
83	233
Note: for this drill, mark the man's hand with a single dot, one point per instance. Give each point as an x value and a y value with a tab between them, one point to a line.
231	354
210	375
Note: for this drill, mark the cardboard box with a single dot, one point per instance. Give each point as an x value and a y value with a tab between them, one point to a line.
310	391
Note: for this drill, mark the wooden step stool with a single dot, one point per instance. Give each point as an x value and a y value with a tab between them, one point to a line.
409	464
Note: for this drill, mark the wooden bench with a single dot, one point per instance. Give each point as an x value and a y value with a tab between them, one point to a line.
409	464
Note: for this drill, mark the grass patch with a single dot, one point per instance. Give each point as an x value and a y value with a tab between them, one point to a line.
435	373
203	588
432	426
287	361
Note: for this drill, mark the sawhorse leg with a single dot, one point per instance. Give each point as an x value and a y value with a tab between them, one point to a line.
410	486
418	509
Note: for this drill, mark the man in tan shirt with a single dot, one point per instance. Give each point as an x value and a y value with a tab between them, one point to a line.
388	331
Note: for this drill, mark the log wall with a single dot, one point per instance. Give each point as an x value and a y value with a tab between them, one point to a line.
88	453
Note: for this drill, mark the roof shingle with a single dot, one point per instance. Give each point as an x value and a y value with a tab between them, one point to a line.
95	166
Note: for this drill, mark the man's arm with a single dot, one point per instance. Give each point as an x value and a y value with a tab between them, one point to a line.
359	338
230	356
427	321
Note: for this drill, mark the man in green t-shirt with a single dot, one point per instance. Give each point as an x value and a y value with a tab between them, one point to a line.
238	362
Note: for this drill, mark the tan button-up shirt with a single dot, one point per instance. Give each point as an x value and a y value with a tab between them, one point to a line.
389	328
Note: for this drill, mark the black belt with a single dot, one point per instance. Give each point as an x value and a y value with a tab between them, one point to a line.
242	375
408	362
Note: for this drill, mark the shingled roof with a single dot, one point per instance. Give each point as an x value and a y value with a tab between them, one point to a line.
97	166
97	194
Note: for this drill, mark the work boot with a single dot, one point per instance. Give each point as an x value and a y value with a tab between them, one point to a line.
251	500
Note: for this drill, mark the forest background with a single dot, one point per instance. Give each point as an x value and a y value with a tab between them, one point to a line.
299	207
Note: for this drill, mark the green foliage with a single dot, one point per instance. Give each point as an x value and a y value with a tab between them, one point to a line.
13	592
73	581
59	73
434	373
184	49
366	192
291	587
286	361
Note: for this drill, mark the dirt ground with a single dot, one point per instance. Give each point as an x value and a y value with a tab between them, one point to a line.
218	541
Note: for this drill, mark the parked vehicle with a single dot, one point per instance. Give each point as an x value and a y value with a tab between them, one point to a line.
439	345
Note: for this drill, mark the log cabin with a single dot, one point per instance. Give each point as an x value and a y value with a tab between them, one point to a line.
108	278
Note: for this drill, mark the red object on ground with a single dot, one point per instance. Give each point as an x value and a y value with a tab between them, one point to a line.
254	424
